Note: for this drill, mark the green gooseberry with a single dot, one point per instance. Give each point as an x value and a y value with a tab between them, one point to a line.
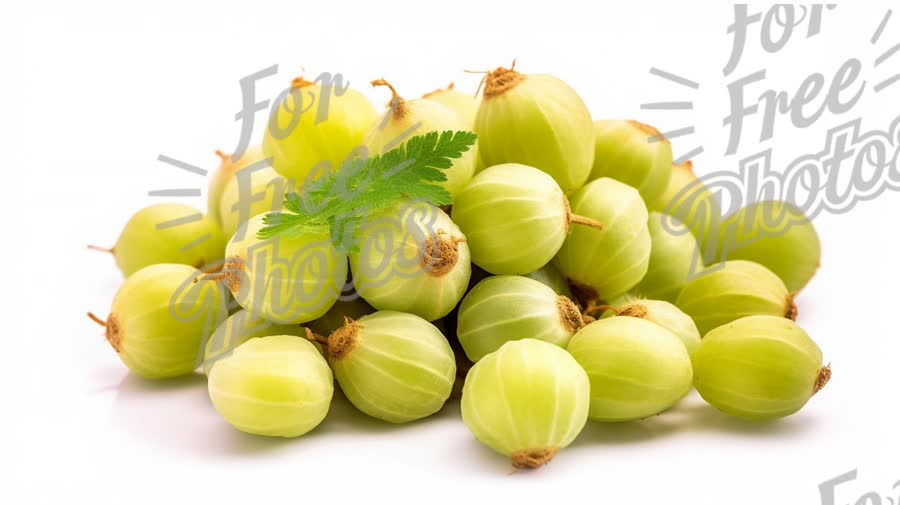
252	191
412	258
636	368
732	290
228	167
167	233
660	312
526	401
759	368
610	261
634	153
674	258
160	318
778	236
515	218
237	329
278	386
392	366
690	201
508	307
549	275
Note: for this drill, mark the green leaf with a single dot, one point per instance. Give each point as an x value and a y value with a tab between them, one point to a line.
339	201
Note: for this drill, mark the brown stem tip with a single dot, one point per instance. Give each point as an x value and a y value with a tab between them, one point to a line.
791	312
96	319
529	460
576	219
569	315
110	250
397	103
113	334
315	337
822	379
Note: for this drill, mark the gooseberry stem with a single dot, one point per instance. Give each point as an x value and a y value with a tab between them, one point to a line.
593	308
224	157
397	104
96	319
586	221
101	249
315	337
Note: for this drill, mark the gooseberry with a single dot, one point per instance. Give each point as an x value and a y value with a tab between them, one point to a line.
633	153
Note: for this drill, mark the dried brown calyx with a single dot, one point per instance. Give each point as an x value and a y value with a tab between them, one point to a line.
576	219
649	131
501	80
439	254
569	314
791	312
531	459
343	340
822	379
631	310
113	331
230	275
439	91
398	106
300	82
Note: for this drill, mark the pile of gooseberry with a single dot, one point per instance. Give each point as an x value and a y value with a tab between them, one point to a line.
578	275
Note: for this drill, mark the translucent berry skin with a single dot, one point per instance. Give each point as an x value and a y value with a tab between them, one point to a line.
507	307
674	258
285	280
312	147
412	258
168	233
624	151
526	401
539	121
662	313
636	368
430	116
250	193
759	368
732	290
549	275
463	104
777	235
160	318
688	200
239	328
278	386
393	366
223	175
515	218
613	260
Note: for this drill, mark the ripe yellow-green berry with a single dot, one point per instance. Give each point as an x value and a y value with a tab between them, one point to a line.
160	318
238	329
633	153
660	312
759	368
674	259
228	167
690	201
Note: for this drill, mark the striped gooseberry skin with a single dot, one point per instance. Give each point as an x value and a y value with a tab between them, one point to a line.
160	318
236	330
633	153
255	189
392	366
674	258
636	368
777	235
549	275
515	218
662	313
615	259
168	233
412	258
691	202
278	386
284	279
759	368
734	289
508	307
526	401
537	120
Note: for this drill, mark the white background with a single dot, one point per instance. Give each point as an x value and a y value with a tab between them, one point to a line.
93	92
